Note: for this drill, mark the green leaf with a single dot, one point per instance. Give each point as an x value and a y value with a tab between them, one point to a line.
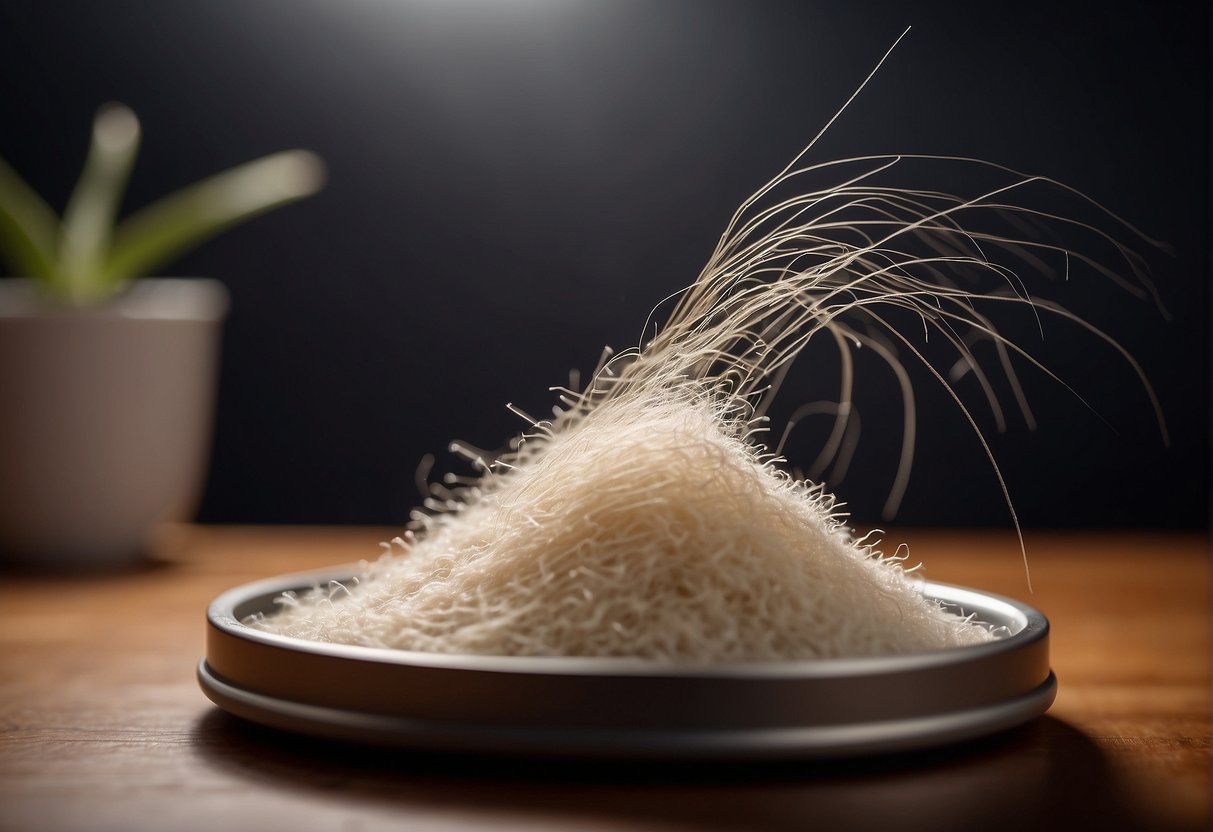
156	234
28	228
88	220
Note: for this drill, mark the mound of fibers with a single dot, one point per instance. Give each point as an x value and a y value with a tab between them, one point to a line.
649	528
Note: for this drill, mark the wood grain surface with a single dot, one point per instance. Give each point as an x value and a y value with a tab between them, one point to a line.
102	726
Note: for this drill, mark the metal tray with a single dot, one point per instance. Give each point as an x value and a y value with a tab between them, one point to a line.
603	708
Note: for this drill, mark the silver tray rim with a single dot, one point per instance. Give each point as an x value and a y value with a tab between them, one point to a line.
1025	622
1029	630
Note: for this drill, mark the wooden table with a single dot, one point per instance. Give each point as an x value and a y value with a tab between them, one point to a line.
104	728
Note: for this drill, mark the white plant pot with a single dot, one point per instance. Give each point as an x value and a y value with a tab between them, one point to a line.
105	419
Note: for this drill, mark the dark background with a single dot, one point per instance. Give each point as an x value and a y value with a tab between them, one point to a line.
514	184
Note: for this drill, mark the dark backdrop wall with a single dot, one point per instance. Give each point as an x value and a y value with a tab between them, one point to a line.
515	184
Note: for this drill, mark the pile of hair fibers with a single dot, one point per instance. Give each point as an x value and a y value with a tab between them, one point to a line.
647	529
646	520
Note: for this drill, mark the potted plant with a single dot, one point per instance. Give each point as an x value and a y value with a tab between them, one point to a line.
107	382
